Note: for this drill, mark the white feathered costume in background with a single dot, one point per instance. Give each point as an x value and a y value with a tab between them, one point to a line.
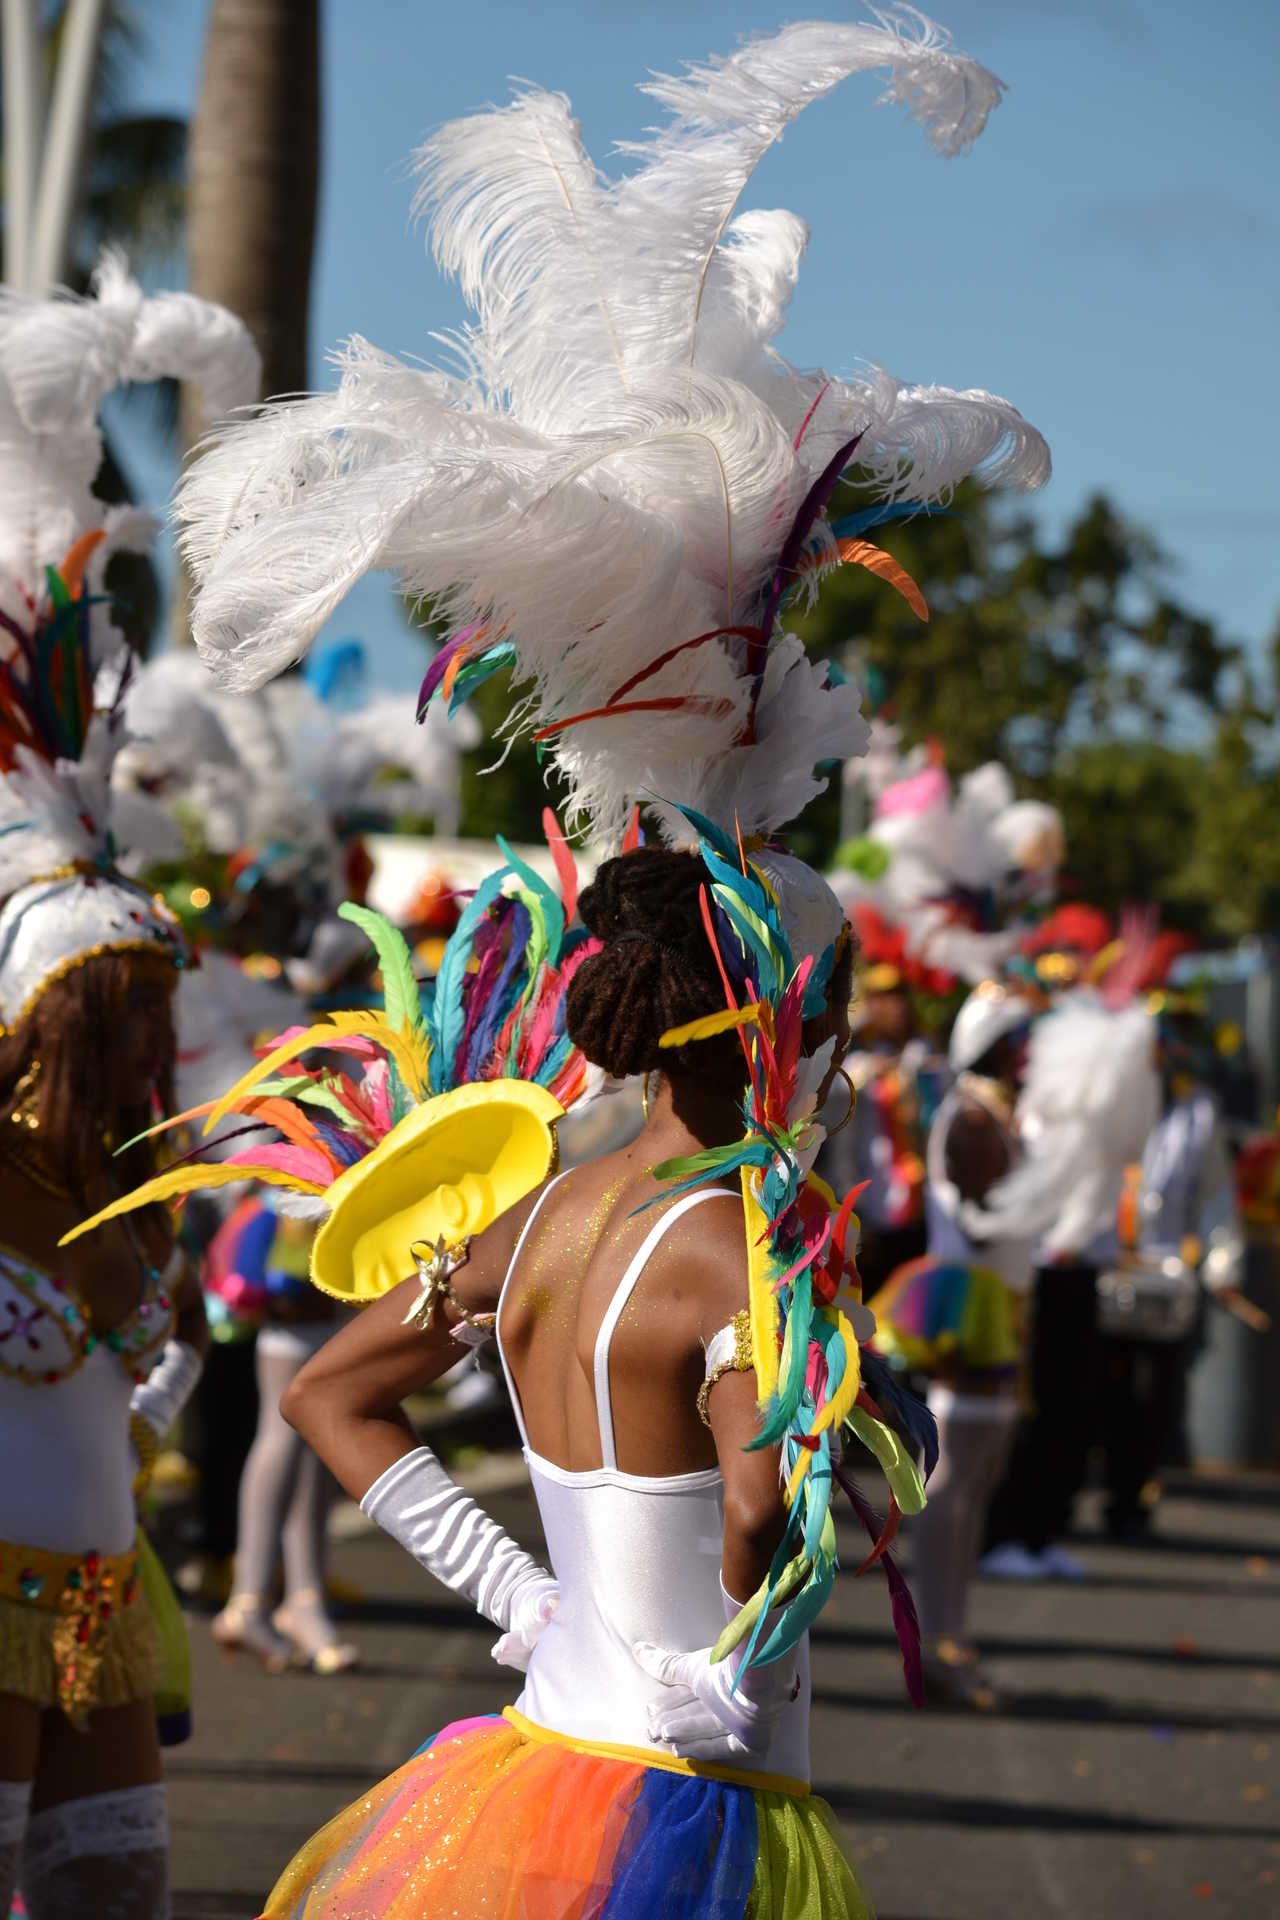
621	478
61	829
1089	1101
958	863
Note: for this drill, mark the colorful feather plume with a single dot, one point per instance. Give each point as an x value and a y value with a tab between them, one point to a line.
807	1318
497	1012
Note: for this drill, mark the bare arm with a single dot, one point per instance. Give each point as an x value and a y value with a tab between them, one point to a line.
346	1401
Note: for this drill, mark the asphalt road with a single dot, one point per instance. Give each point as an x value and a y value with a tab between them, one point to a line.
1135	1770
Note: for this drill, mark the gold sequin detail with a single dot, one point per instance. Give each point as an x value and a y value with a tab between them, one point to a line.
741	1362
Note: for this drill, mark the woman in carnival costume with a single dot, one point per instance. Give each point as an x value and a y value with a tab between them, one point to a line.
614	498
99	1346
958	1315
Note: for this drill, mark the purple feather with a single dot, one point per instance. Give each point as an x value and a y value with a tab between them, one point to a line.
488	951
440	666
905	1622
810	507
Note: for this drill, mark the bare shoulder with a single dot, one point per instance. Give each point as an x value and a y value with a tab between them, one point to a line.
478	1281
709	1242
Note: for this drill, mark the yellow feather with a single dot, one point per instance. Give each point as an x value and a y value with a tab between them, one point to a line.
710	1024
839	1406
179	1180
370	1026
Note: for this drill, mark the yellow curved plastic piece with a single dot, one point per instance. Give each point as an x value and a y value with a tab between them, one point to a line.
189	1179
447	1170
760	1295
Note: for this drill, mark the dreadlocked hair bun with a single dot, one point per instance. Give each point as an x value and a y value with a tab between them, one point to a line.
656	970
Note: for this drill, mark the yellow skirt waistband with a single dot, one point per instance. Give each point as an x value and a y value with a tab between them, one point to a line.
665	1762
82	1583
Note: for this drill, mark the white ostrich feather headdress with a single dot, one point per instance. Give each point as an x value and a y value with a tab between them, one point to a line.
59	832
622	478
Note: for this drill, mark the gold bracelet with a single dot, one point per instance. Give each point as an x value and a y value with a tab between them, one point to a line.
147	1448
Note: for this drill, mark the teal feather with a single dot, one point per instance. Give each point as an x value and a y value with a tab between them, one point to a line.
796	1620
553	912
475	672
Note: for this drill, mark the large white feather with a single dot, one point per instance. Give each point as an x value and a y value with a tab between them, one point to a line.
613	464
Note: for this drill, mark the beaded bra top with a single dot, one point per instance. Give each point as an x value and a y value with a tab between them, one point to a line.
46	1332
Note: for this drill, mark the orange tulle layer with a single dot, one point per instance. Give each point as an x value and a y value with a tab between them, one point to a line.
488	1822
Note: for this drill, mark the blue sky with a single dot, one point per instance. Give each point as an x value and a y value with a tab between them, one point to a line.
1106	257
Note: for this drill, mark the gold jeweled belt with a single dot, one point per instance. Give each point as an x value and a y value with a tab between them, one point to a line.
85	1591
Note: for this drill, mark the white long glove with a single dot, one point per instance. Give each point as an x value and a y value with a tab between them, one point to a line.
160	1398
703	1716
430	1516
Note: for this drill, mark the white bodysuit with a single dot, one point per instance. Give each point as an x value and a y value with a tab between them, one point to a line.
64	1412
637	1559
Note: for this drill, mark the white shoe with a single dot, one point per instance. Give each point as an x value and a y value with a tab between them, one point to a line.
1013	1561
1061	1565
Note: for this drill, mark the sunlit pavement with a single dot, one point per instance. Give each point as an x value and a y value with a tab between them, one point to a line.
1133	1771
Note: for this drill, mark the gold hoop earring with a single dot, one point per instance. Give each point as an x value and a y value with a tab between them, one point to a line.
853	1101
644	1094
25	1111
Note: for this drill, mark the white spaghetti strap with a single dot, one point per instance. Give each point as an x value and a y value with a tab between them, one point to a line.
626	1286
497	1318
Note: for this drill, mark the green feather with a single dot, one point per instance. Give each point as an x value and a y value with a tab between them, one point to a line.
403	1001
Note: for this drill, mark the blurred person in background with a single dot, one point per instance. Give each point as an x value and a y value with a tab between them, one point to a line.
1177	1239
958	1316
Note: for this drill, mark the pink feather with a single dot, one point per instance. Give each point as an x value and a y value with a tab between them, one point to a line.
566	869
302	1162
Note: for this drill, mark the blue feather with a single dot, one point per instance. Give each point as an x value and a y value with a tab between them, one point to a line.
912	1413
501	998
855	523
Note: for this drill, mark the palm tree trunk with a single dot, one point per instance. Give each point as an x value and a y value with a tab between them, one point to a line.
254	174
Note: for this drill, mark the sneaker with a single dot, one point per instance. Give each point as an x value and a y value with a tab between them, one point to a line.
1013	1561
1061	1565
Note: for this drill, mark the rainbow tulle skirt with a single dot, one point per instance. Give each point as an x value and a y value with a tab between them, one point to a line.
934	1312
499	1818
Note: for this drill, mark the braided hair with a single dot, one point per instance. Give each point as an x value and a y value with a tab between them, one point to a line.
656	970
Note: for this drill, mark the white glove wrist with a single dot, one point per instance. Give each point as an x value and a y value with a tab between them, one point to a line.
417	1503
160	1398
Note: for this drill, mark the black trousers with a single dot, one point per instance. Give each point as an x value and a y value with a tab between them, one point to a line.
881	1251
226	1414
1141	1390
1051	1448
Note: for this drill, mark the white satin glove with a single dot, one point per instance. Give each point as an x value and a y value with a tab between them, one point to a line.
160	1398
702	1715
430	1516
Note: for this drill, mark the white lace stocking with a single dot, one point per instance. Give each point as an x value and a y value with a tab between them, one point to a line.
106	1855
15	1799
